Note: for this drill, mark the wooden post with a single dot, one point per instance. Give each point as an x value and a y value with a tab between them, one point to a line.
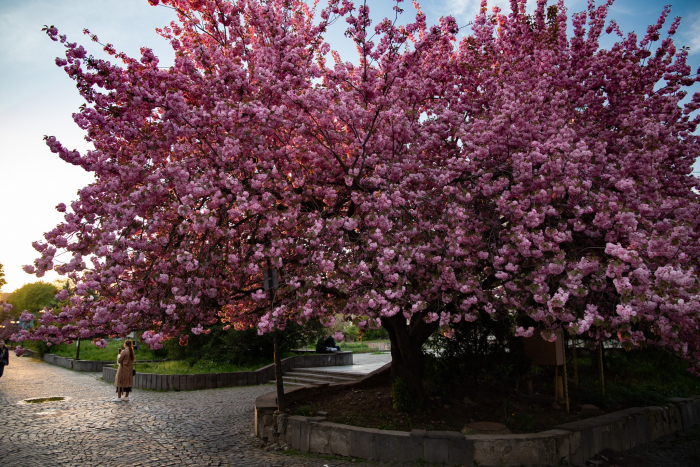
573	350
558	388
600	367
528	385
77	351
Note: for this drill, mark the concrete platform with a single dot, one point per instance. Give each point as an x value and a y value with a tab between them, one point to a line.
362	364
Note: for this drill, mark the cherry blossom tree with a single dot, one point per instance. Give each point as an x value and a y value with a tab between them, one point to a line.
515	172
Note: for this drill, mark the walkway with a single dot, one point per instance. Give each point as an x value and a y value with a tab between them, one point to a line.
198	428
210	427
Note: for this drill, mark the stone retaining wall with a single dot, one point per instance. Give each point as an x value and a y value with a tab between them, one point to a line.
223	380
575	442
71	363
29	353
77	365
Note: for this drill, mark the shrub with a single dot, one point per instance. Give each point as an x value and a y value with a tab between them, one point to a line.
375	334
479	352
401	397
242	347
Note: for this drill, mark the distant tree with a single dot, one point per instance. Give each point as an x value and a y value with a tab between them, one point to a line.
2	276
32	297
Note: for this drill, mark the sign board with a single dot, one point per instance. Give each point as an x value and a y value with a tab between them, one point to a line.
542	352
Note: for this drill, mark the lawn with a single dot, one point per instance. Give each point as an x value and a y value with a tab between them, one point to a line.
200	367
88	351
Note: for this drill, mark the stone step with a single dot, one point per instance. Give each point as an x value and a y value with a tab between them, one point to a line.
319	372
329	377
306	381
286	383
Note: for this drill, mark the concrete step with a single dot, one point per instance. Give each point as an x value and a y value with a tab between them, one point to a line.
328	377
306	381
324	373
287	383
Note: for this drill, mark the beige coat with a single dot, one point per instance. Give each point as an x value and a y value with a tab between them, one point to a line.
125	377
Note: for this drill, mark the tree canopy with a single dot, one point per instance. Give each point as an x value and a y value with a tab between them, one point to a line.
2	276
516	172
32	297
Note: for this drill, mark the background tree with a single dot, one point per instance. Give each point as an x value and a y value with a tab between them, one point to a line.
2	276
32	297
521	173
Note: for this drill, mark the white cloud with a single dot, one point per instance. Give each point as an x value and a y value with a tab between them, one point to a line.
466	10
690	33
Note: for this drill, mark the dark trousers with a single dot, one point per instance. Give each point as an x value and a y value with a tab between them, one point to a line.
2	368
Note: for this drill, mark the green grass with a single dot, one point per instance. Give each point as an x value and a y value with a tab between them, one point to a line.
360	347
88	351
200	367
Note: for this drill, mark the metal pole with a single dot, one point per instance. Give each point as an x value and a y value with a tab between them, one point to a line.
270	283
278	374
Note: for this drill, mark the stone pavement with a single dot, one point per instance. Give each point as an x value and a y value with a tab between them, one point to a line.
208	427
197	428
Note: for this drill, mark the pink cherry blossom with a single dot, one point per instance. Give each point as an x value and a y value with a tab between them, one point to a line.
518	172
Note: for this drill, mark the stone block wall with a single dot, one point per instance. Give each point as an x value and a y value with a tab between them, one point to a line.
224	380
316	434
77	365
574	442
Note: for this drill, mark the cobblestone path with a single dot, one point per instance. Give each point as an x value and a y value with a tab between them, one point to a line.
197	428
209	427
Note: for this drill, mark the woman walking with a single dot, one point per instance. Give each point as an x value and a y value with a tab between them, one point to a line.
125	372
4	356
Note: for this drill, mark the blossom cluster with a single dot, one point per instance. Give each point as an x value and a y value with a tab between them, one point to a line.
517	171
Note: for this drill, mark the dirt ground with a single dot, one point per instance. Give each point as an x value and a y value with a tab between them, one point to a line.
372	408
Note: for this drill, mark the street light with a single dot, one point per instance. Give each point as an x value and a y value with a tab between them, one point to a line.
271	283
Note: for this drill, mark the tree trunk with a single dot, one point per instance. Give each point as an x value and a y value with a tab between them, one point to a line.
406	343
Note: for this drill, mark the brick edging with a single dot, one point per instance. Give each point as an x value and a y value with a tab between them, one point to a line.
224	380
576	441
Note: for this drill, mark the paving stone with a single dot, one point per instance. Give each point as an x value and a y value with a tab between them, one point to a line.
209	427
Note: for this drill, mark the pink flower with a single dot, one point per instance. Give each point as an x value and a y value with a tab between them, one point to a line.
521	332
26	316
338	336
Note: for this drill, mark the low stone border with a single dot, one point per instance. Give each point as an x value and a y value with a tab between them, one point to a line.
76	365
224	380
574	442
94	366
29	353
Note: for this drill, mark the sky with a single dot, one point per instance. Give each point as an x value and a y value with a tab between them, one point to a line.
37	98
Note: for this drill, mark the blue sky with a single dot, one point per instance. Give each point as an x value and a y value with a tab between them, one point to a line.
37	98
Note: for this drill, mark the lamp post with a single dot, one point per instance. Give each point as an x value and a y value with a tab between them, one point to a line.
271	283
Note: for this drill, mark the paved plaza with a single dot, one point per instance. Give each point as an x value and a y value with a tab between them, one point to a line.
211	427
208	427
362	364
